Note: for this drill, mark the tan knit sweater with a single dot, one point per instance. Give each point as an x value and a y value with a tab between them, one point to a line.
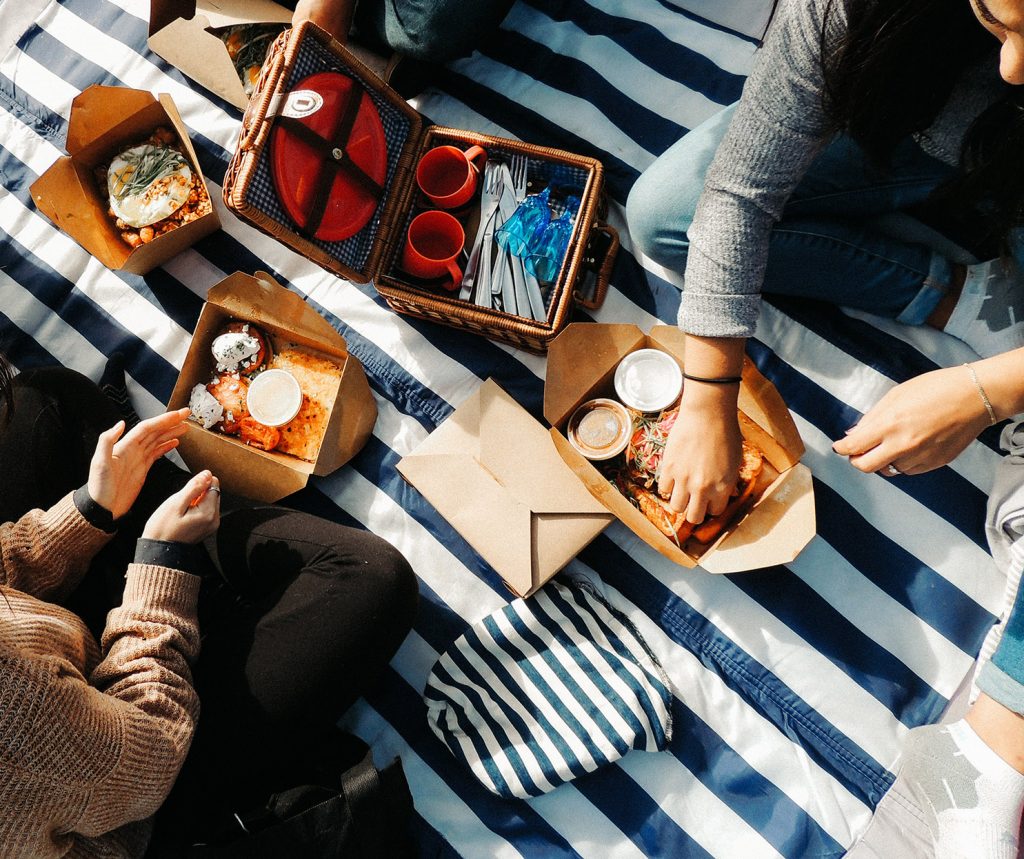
90	741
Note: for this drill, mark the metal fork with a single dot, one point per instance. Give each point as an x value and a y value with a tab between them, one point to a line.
526	287
513	300
490	191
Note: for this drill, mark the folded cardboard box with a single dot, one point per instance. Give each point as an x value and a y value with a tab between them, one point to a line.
581	366
185	33
491	471
181	31
104	121
248	471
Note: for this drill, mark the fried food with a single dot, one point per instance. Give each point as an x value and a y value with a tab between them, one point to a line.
319	380
750	469
253	433
636	482
673	525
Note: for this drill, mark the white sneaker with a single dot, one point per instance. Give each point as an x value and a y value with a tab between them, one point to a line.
989	315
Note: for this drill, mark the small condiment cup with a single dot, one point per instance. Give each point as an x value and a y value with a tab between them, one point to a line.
274	397
600	429
648	380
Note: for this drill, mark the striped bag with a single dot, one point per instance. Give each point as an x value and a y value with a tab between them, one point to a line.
548	689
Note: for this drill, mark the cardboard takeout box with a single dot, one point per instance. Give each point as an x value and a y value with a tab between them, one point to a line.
179	31
581	366
491	471
105	120
266	475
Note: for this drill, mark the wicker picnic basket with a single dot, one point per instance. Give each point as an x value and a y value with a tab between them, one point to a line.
372	252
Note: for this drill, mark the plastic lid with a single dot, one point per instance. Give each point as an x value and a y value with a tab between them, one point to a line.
319	102
274	397
648	380
600	429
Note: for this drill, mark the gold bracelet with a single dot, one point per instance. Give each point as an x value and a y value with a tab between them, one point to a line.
984	397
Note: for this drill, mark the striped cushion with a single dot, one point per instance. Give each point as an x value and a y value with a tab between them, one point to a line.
547	689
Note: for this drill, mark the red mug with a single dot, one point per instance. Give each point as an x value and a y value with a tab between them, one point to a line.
433	243
448	176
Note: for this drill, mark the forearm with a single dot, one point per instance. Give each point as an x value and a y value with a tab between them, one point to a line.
713	358
1001	377
334	16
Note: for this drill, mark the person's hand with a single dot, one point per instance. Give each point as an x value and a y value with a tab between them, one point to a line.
919	425
120	465
190	515
334	16
701	462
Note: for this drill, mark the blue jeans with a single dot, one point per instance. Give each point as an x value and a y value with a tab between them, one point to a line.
1002	679
837	240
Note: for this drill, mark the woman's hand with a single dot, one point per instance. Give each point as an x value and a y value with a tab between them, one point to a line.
334	16
120	465
703	453
919	425
190	515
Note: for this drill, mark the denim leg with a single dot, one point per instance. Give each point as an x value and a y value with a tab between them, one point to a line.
826	245
663	200
848	263
842	181
1002	679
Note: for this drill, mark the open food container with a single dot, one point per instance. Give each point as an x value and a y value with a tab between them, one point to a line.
220	44
779	520
337	413
326	163
105	122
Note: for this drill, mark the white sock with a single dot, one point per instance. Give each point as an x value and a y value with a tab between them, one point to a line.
970	797
989	315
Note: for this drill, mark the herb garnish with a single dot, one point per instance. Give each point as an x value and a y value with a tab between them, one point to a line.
143	166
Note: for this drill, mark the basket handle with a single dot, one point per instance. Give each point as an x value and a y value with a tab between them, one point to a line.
599	256
256	110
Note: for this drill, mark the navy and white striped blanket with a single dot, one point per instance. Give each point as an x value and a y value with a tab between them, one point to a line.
795	685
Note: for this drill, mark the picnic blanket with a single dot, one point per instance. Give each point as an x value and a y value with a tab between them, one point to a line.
794	685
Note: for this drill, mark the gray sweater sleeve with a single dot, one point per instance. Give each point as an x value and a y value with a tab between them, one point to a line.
778	129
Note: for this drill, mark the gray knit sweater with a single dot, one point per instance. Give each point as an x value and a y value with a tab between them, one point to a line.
778	129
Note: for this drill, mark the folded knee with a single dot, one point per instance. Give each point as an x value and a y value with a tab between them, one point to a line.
659	212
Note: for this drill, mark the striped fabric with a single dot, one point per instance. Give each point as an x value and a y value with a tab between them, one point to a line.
548	689
795	685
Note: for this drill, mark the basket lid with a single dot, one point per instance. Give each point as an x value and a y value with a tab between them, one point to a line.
329	156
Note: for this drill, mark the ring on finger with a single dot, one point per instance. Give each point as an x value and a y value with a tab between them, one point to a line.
891	471
214	489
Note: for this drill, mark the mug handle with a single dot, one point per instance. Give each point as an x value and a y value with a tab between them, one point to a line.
475	152
456	275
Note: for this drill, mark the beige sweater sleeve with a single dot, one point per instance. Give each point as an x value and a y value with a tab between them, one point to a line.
148	644
46	552
81	757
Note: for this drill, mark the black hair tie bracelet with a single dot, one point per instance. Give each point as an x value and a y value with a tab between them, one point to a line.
716	380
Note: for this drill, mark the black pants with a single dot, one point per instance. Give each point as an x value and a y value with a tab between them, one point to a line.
298	614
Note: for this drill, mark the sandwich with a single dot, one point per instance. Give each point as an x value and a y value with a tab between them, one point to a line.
639	486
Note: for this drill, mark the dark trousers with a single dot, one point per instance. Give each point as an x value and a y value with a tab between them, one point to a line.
298	614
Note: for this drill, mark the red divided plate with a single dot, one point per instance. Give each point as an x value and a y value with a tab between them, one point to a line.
319	102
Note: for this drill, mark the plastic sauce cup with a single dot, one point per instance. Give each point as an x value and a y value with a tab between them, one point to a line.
648	380
600	429
274	397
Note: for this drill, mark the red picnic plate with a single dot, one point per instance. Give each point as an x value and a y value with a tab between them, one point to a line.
341	135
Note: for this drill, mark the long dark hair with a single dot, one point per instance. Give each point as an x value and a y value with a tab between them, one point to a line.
889	76
6	389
